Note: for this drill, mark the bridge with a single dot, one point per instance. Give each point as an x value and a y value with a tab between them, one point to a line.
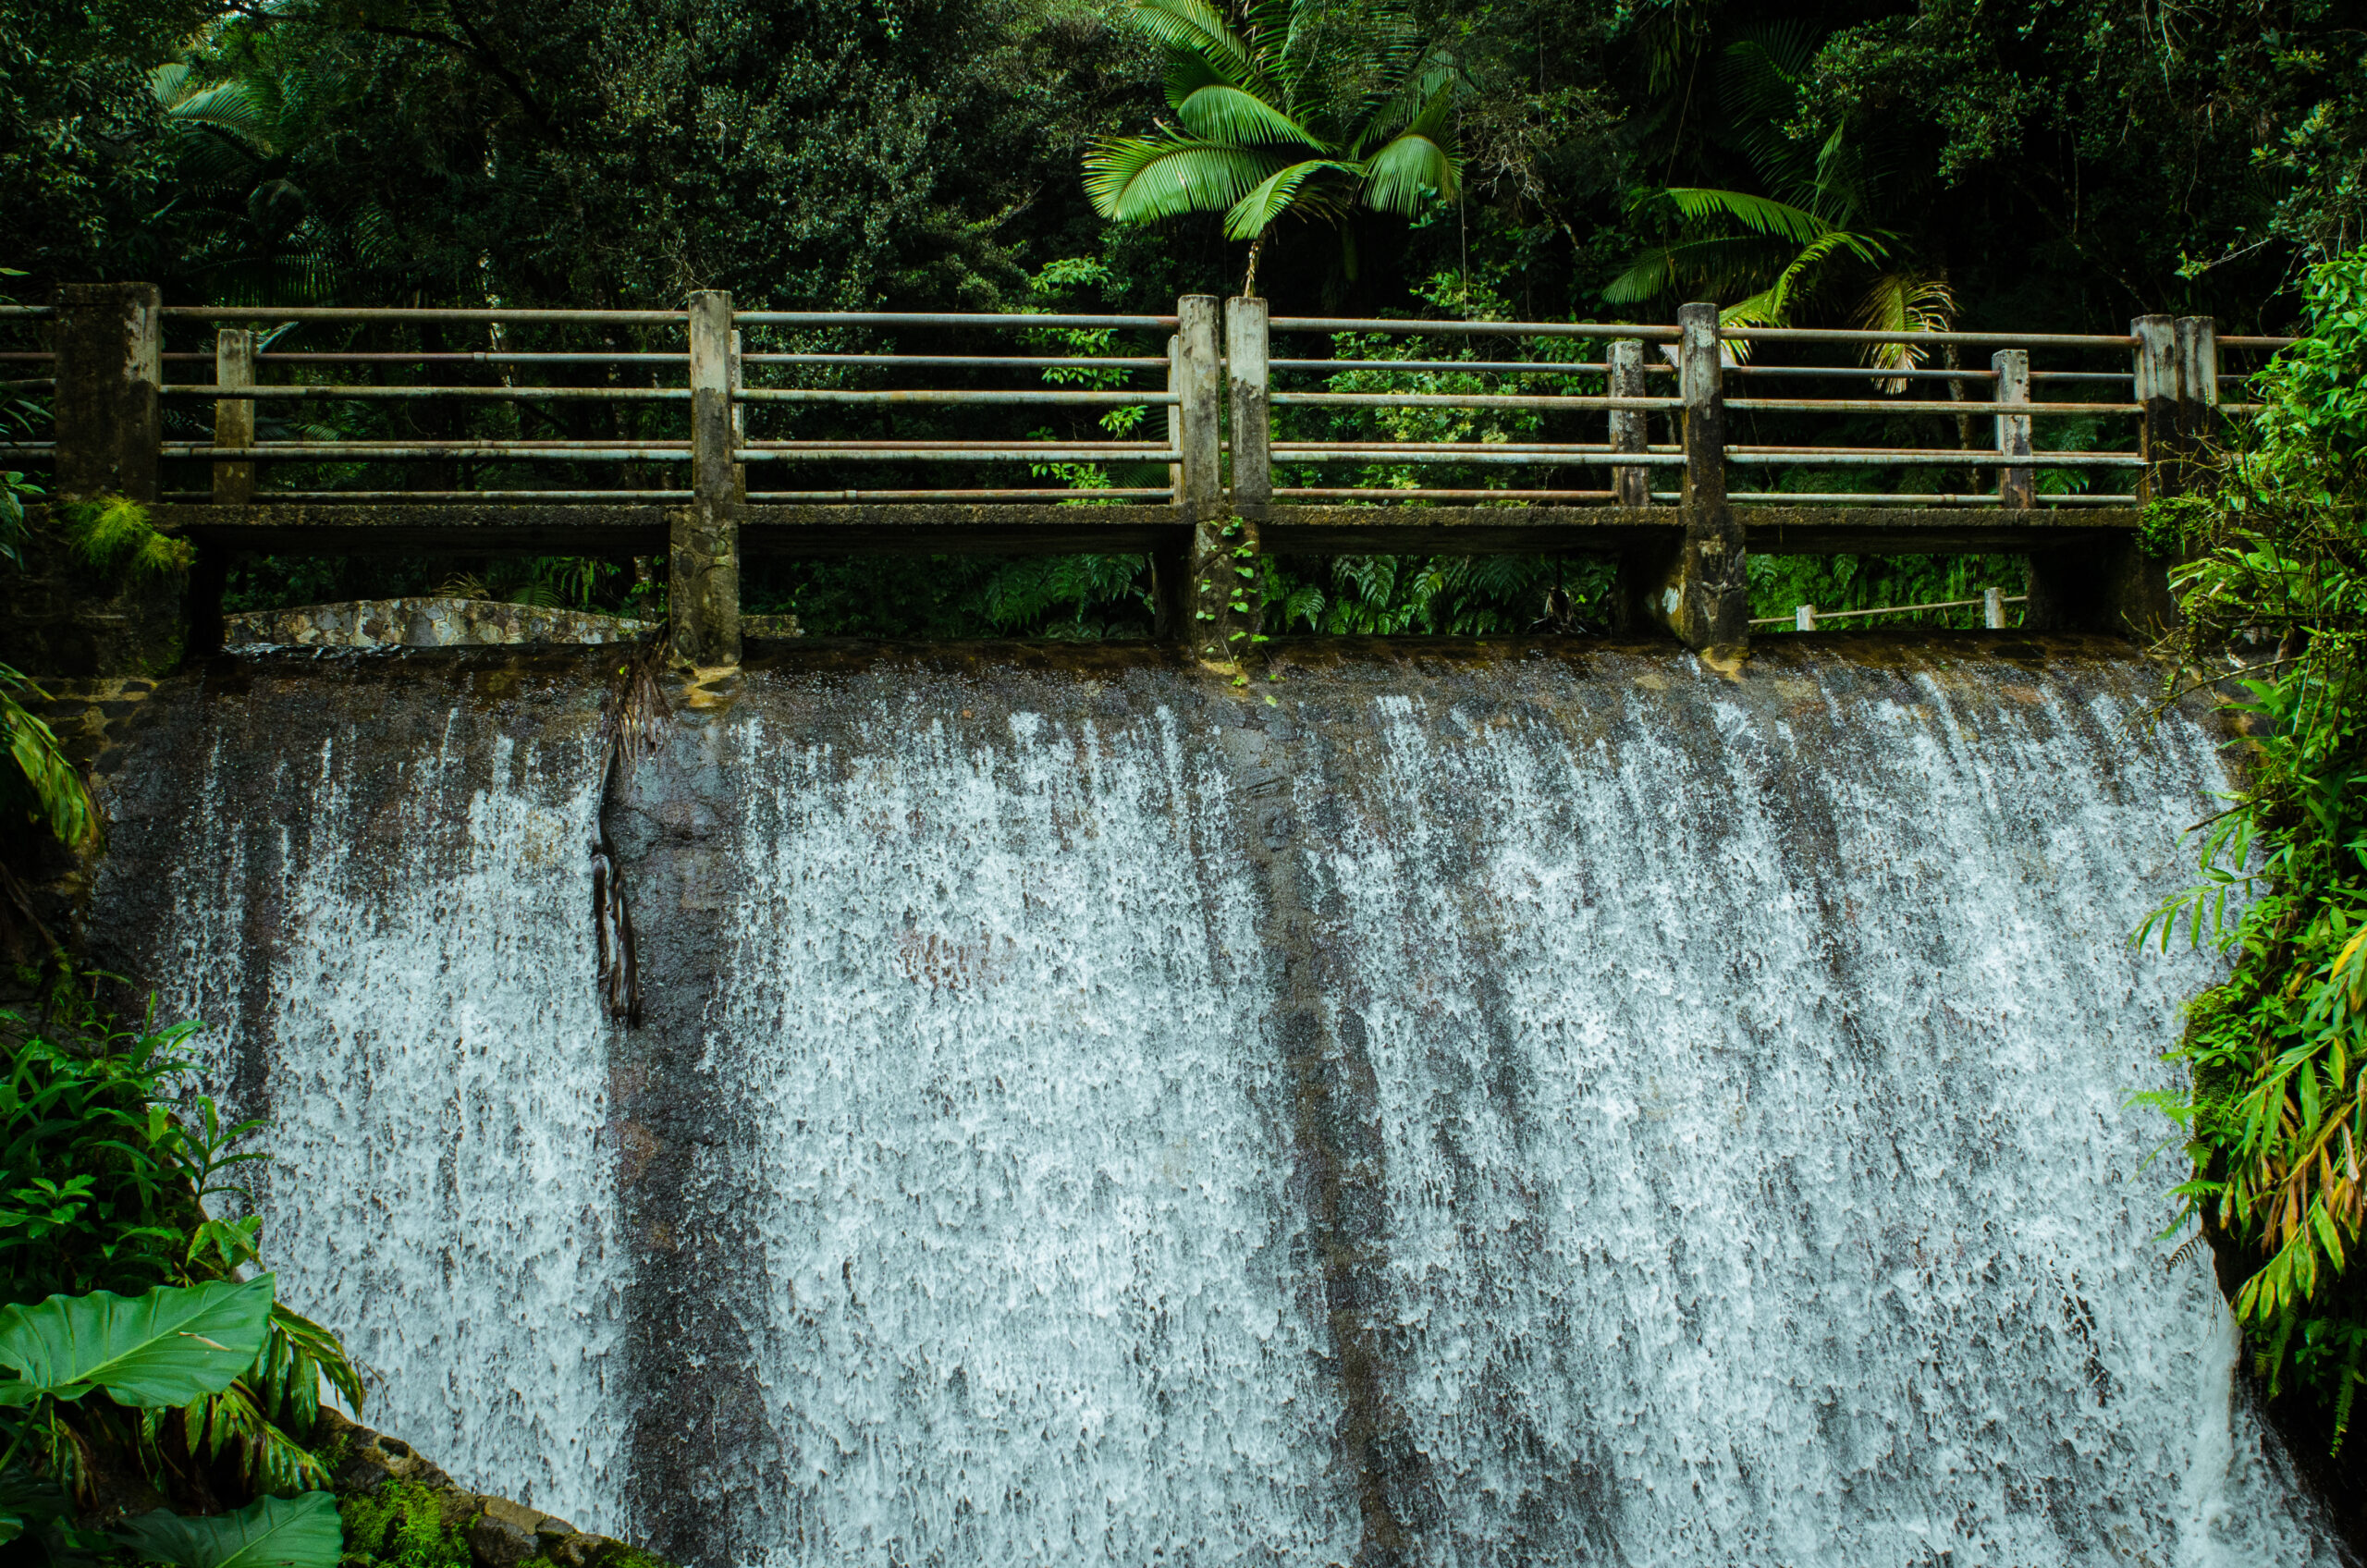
710	434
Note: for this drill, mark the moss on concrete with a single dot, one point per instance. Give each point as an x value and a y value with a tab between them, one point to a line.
402	1524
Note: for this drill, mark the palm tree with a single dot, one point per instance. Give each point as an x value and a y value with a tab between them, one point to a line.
1781	246
1311	107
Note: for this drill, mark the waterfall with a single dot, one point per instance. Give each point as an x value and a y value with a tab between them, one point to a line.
1440	1108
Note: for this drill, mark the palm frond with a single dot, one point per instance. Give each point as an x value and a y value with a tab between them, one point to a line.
1196	28
1142	179
1760	215
1222	112
1275	195
1412	165
1759	81
1903	302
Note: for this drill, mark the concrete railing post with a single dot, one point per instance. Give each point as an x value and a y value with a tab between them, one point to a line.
1246	380
1198	408
2198	338
1630	428
1992	608
2017	487
233	418
704	555
2156	392
110	362
1703	594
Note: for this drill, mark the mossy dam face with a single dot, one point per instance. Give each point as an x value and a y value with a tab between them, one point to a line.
1452	1104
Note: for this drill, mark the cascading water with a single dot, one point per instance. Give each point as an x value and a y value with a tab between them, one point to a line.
1467	1111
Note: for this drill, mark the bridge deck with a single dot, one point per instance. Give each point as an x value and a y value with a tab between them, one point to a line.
491	526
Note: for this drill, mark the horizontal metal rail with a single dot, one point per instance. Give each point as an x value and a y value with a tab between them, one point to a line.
1467	401
941	318
1928	458
340	498
299	392
1533	457
1963	339
1373	495
796	497
363	452
1519	367
1014	362
916	395
1924	406
423	313
1909	498
1817	615
1475	328
1016	453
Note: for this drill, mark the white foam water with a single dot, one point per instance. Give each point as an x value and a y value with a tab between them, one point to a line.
437	1189
1758	1185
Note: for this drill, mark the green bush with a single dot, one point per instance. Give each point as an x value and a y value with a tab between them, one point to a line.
2275	1111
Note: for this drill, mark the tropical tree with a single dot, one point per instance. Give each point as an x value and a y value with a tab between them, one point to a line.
1776	247
1307	107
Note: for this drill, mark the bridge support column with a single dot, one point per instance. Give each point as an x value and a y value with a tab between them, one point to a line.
1197	576
703	554
2114	586
110	362
1700	589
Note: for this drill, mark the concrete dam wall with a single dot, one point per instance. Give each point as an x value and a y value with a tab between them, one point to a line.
1454	1105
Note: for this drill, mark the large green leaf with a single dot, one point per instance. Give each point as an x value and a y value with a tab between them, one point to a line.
1224	113
159	1351
1141	180
1275	195
298	1532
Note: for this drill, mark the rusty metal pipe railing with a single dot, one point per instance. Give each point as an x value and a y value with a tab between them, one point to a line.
956	398
1467	401
1473	328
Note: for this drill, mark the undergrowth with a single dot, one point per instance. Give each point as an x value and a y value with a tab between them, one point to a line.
2275	1109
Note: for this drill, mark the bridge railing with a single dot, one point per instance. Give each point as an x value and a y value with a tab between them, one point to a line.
1671	448
828	424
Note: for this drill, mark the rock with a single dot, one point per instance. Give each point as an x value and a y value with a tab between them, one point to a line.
504	1535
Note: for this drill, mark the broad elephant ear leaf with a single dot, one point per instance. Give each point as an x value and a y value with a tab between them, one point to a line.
299	1532
157	1350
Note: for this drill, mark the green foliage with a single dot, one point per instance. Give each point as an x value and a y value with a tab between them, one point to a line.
2276	1111
166	1348
202	1380
301	1532
402	1524
114	534
1288	106
47	788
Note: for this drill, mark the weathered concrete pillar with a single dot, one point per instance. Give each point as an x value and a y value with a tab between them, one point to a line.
1247	381
2156	392
2197	352
2017	487
1630	428
233	418
110	362
234	485
1221	620
1704	593
704	553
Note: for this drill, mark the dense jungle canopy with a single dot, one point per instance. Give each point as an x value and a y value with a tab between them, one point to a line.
2056	166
